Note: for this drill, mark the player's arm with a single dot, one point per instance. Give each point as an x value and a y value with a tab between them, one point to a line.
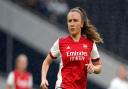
30	81
94	67
54	52
45	67
95	64
95	59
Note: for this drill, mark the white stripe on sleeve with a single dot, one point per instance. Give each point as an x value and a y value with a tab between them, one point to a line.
94	52
30	81
55	49
10	79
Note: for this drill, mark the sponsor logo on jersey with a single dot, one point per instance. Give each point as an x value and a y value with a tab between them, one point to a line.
85	46
22	83
76	56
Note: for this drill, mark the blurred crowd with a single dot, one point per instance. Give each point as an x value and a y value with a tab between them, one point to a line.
54	10
121	80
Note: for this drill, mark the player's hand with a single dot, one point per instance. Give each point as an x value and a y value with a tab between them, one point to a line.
44	84
90	68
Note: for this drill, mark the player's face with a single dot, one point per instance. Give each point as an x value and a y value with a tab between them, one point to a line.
74	22
22	63
122	72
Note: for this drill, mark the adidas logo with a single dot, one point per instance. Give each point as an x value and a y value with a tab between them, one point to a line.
68	47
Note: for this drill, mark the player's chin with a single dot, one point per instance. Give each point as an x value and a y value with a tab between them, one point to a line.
73	33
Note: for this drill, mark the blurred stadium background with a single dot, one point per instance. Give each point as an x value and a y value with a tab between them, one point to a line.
32	26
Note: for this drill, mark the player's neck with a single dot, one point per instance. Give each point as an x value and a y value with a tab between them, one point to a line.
122	78
21	71
76	37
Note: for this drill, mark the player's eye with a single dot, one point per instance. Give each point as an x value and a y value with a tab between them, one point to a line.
70	20
75	20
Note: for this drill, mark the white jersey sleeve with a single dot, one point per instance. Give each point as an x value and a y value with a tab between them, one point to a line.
10	79
113	84
54	51
94	52
30	81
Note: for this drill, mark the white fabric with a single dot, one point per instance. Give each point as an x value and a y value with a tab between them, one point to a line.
59	76
30	81
117	83
94	52
10	80
55	51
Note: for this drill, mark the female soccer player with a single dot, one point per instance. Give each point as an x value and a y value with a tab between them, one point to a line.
77	51
20	78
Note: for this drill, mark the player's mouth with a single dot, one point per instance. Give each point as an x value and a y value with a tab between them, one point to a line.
72	29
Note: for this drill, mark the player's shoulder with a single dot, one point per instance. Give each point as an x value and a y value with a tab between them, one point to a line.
115	80
11	74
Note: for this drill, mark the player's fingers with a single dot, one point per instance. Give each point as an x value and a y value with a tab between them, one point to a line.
45	86
47	83
41	85
90	71
86	65
90	68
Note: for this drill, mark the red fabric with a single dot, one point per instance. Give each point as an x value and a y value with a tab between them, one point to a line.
21	81
74	57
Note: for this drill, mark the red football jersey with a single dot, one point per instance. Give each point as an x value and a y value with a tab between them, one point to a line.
18	81
73	57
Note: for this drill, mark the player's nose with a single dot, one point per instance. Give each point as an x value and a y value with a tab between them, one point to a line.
72	24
